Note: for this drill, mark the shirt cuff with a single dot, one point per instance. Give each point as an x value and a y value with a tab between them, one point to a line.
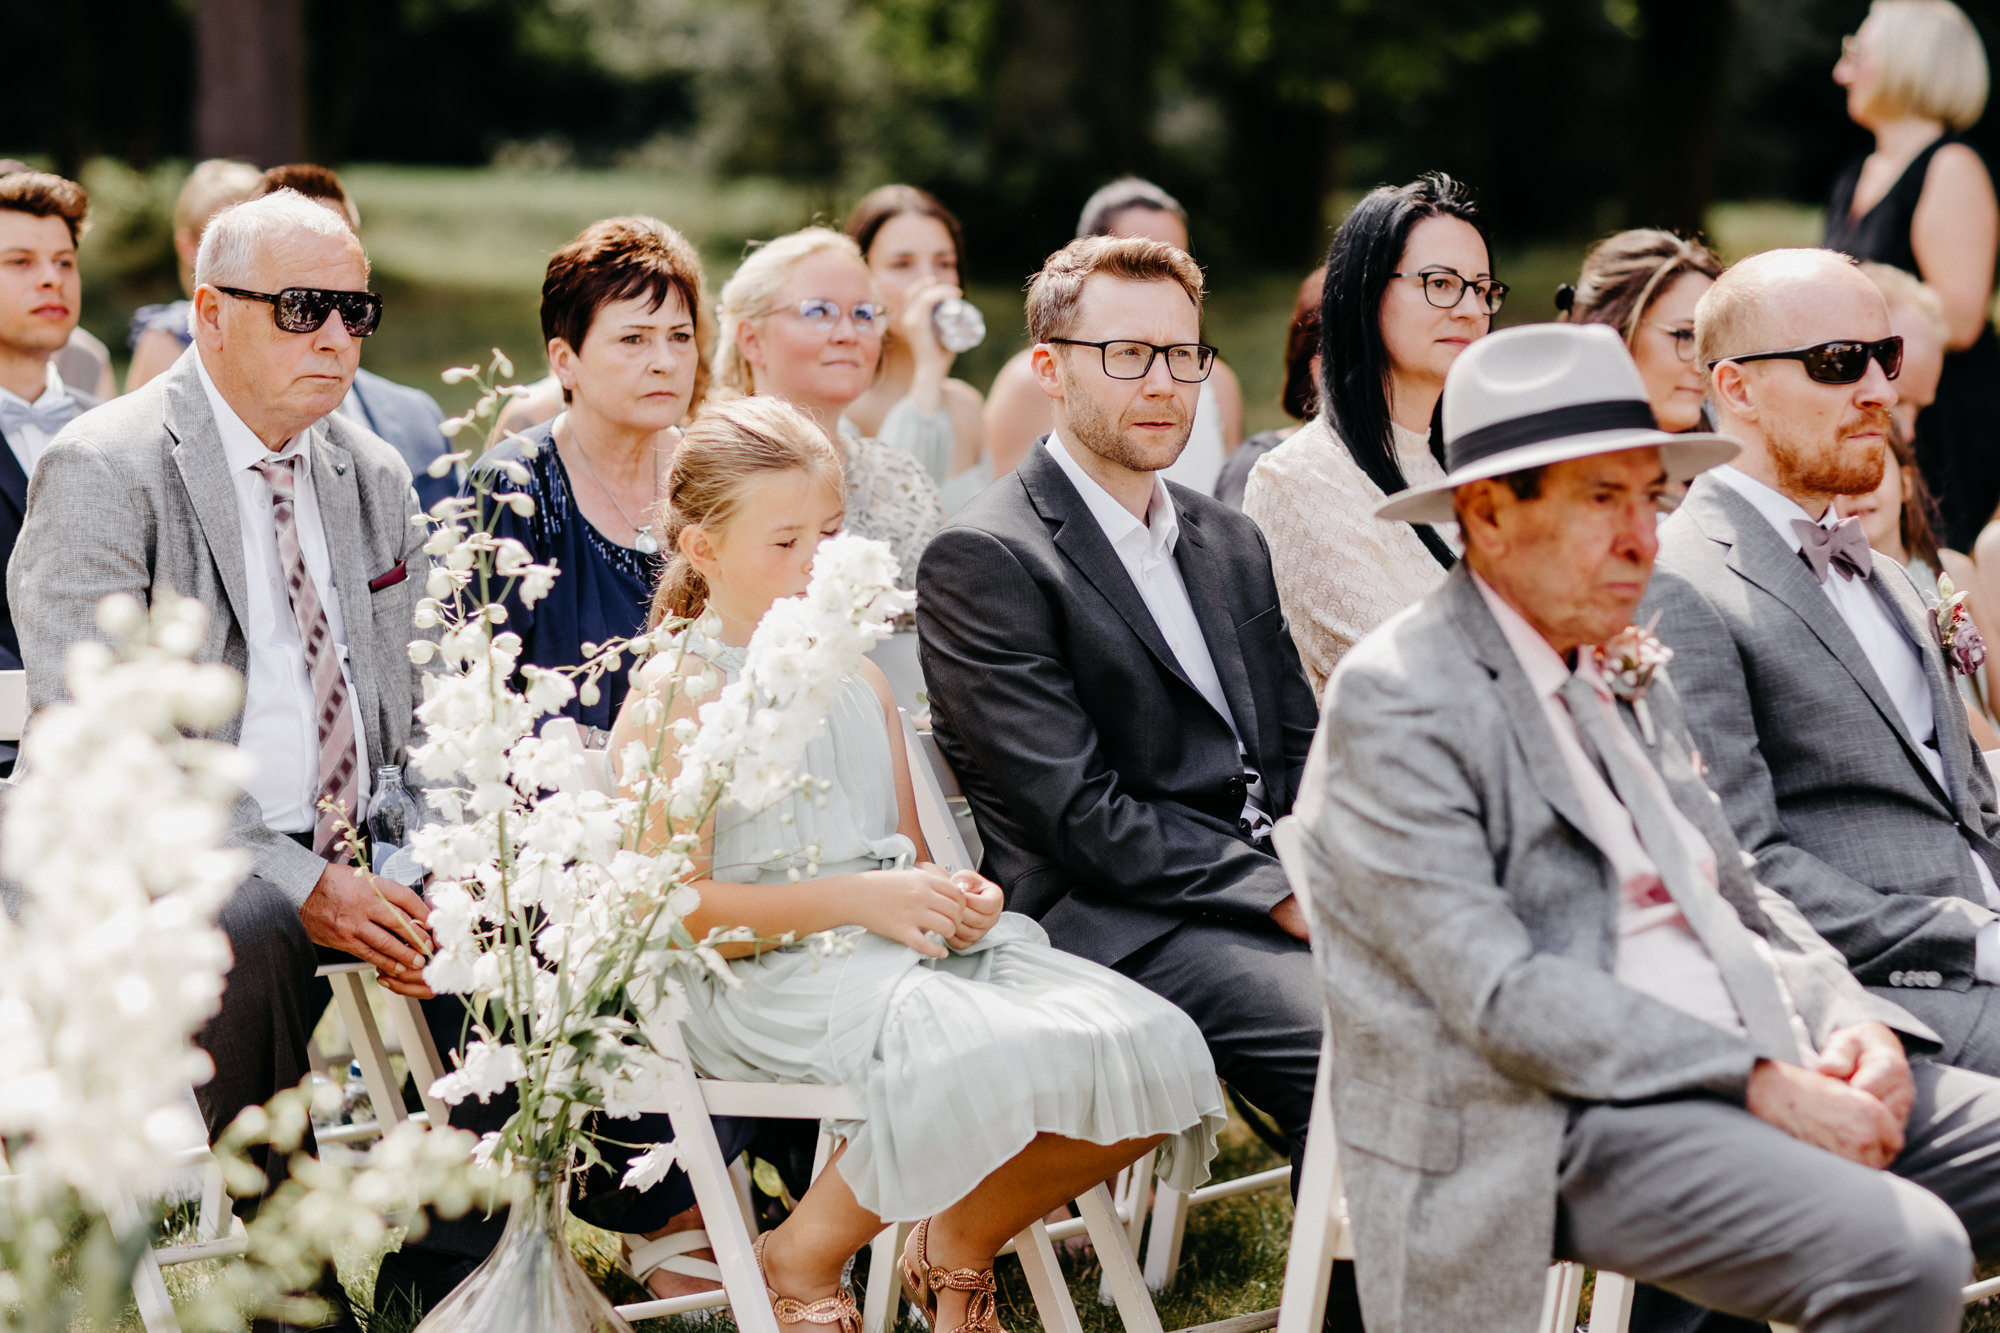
1986	954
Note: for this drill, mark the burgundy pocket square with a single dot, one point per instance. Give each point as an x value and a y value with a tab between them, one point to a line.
390	579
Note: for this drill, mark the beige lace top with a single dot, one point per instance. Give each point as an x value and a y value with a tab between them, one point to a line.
1340	570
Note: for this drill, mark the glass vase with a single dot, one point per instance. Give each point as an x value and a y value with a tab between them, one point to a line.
531	1283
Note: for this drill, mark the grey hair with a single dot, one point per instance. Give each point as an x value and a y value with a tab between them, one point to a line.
235	237
1121	194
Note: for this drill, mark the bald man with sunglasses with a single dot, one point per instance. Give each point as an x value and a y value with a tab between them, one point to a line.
231	480
1817	687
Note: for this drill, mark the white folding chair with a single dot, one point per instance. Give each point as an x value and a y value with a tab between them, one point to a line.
897	657
1321	1231
13	705
351	983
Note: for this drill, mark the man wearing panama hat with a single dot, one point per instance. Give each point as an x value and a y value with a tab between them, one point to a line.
1569	1023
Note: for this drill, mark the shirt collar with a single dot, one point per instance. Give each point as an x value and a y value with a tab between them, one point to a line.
1779	510
1544	666
240	445
54	392
1160	533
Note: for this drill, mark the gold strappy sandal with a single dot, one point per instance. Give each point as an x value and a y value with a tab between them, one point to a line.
839	1309
922	1283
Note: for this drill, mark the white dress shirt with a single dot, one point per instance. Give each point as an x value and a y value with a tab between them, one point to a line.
279	733
28	440
1658	952
1896	663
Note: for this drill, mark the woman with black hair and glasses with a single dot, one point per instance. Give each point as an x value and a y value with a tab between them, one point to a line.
1409	285
1645	284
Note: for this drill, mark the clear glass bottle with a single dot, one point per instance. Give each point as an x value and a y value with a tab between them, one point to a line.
393	815
958	324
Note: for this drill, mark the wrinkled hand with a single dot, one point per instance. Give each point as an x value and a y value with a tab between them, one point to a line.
1291	918
909	906
917	331
1869	1056
379	921
984	901
1825	1112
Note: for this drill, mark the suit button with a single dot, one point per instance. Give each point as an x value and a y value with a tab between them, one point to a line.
1895	978
1236	788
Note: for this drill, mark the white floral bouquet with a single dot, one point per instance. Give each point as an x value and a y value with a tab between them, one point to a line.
557	908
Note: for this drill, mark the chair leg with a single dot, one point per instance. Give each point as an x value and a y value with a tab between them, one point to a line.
1316	1220
385	1094
1563	1293
1611	1303
149	1287
1045	1281
1121	1267
884	1296
420	1052
1163	1247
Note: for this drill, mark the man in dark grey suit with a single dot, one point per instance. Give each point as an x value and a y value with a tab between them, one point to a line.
1816	688
1114	684
1570	1024
226	479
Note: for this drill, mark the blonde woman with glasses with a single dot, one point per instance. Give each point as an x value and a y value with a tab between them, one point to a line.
1916	78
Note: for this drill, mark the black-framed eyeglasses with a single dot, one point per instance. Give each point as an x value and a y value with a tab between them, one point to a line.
824	315
1841	362
304	309
1445	288
1127	359
1683	338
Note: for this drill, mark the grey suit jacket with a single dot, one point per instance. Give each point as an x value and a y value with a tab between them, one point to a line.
1819	776
135	497
1467	925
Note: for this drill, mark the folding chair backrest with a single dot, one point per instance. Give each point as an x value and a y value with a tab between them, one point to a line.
13	704
933	811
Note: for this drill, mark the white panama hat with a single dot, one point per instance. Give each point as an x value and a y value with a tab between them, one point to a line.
1545	393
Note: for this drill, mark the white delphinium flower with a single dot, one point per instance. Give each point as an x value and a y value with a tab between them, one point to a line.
114	832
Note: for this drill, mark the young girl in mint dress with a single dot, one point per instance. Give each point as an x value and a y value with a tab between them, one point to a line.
1000	1077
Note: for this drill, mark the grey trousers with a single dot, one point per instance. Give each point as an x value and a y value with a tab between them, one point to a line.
1713	1205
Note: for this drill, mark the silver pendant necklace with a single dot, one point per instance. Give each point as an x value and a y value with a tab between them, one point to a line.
643	540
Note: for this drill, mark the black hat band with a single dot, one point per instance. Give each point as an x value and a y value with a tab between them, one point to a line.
1555	424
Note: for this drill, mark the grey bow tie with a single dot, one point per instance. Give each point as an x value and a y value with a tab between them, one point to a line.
1842	546
48	413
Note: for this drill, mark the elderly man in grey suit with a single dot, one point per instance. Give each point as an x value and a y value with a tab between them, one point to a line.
1816	686
1567	1021
227	480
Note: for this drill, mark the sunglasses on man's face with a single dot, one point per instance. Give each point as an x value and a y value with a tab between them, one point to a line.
1835	362
304	309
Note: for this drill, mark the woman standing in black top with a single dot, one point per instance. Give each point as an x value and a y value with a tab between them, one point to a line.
1916	77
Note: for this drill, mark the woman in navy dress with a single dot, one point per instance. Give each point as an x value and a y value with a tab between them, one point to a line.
1916	78
623	312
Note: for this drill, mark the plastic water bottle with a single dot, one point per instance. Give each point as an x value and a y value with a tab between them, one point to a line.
958	324
393	815
354	1104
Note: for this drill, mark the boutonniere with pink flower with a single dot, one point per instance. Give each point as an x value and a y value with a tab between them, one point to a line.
1628	662
1951	621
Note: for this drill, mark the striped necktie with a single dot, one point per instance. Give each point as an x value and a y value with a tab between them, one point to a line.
339	767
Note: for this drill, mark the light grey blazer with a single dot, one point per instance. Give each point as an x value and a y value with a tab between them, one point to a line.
1816	770
1467	926
135	497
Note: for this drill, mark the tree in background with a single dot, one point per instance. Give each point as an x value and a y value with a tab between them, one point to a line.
249	84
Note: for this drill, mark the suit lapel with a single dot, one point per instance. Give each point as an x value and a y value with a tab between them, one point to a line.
13	481
1909	614
1085	545
1759	555
1525	716
336	485
204	471
1210	597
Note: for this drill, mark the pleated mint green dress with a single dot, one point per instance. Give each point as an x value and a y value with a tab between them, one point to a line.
958	1062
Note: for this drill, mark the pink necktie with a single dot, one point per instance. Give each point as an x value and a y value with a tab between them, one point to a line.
338	768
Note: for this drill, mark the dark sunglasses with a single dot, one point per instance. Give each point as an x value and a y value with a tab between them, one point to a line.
1835	362
304	309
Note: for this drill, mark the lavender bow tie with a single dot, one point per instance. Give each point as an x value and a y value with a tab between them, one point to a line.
1842	547
47	413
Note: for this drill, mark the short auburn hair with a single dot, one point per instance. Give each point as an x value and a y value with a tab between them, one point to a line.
43	195
1055	293
314	182
616	260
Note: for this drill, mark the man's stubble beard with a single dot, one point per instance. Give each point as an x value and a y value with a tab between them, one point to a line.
1097	430
1824	467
